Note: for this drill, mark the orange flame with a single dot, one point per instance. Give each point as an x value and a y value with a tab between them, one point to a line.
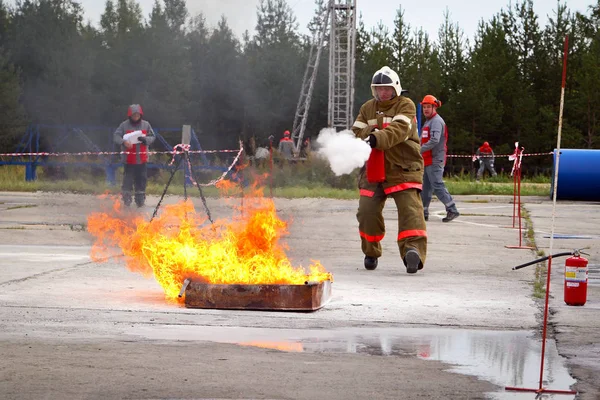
180	244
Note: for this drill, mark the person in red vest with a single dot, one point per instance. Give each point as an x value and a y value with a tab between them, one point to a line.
134	135
486	156
434	140
286	146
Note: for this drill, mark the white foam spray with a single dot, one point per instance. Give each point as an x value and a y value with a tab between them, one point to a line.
343	150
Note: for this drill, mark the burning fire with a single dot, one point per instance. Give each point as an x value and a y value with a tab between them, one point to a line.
180	244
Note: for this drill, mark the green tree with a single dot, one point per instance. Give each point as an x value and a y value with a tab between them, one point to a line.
45	44
222	111
585	92
276	61
452	61
380	50
165	66
363	73
480	102
11	113
402	42
122	65
176	14
198	48
12	122
422	75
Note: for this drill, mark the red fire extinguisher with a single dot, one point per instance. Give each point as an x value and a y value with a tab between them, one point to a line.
376	161
576	280
376	166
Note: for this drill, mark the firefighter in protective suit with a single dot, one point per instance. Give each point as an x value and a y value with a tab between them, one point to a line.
388	123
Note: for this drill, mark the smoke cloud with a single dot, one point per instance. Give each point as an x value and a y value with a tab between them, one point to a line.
343	150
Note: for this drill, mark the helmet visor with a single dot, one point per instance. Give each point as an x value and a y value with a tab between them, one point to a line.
381	79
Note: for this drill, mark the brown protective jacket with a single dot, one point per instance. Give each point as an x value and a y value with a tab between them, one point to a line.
398	137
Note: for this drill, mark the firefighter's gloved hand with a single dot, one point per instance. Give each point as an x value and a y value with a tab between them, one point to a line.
371	141
142	140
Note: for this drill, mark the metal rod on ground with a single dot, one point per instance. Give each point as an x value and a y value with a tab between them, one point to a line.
541	388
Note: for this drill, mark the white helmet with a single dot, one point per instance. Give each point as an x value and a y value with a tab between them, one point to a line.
386	77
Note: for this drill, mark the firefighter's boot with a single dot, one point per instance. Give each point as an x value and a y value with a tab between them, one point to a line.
370	263
412	261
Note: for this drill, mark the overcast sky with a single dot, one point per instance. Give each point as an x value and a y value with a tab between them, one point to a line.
241	14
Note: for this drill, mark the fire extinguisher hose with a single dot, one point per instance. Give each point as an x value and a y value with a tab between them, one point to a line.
566	253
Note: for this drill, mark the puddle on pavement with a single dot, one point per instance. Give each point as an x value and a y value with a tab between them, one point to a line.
504	358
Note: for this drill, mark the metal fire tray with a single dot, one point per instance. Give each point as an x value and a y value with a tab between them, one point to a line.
308	297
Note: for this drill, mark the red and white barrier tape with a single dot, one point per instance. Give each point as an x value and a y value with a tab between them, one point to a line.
183	148
474	157
178	149
215	181
517	158
111	153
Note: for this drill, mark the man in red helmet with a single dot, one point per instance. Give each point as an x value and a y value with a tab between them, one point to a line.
434	138
134	135
387	123
486	156
286	146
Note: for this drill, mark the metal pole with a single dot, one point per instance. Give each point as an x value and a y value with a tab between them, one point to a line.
271	164
518	174
540	388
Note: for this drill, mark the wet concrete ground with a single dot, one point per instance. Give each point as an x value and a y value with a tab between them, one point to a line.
467	322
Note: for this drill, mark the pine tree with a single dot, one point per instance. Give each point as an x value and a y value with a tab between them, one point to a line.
363	73
45	44
480	103
275	63
586	80
12	121
401	42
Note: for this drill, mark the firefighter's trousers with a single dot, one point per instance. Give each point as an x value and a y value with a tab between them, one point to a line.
134	175
412	231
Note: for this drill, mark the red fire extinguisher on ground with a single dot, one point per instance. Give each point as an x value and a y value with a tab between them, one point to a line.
576	280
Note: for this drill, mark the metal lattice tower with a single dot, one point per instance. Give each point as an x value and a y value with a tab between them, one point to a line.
310	77
342	47
338	21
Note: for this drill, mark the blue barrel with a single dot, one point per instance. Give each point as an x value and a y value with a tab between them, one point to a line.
578	175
